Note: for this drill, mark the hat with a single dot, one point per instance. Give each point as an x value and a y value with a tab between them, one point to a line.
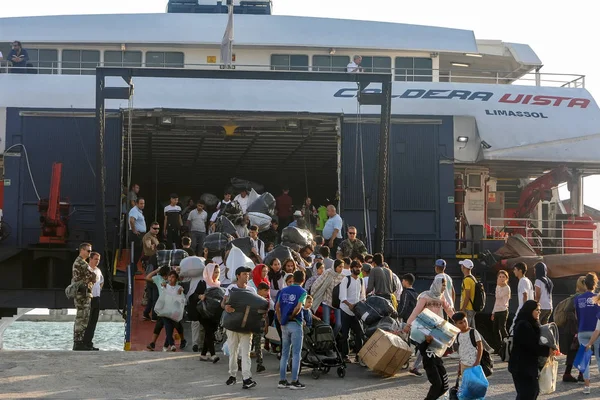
440	263
297	213
174	196
242	269
366	267
275	219
467	264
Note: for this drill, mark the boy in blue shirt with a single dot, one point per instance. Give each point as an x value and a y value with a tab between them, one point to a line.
289	313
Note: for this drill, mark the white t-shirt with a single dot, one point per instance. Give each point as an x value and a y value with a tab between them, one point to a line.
172	289
96	289
545	298
234	285
243	202
353	67
466	351
525	286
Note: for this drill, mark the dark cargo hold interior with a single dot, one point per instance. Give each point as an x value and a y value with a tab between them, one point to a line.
192	153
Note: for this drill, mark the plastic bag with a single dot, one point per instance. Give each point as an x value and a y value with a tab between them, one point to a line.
249	311
224	225
244	244
383	306
293	246
281	252
225	349
296	235
474	384
263	221
252	196
548	376
366	313
239	184
170	305
191	267
217	241
265	204
210	307
237	258
582	358
232	211
210	200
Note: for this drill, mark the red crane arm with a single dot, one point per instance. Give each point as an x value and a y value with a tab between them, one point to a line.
541	189
54	198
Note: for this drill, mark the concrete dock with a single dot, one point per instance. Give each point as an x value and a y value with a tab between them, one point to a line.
158	375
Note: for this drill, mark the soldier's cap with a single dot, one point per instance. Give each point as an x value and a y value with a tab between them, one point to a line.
241	270
366	267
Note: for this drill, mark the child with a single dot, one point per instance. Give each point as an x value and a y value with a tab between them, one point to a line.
470	356
263	291
159	277
319	268
408	299
434	368
172	287
307	312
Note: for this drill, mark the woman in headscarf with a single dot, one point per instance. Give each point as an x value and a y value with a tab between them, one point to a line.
322	293
434	300
523	364
568	331
259	274
543	291
211	280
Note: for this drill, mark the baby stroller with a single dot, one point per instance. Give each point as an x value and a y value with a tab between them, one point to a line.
320	352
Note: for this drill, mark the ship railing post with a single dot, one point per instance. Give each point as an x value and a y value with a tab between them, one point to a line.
129	306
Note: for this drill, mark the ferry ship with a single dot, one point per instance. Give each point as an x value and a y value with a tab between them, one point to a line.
475	122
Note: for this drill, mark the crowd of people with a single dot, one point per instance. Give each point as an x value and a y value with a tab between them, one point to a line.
324	281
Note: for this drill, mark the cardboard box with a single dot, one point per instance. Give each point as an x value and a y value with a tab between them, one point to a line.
385	353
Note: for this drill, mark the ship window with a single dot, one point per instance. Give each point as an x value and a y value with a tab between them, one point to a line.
160	59
80	62
413	69
330	63
45	61
122	58
382	65
289	62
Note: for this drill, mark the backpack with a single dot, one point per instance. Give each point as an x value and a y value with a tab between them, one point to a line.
479	298
561	311
487	364
335	296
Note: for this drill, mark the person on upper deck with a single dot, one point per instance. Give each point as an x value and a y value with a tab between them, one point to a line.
18	57
354	65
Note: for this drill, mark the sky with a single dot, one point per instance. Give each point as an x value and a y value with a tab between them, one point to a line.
563	34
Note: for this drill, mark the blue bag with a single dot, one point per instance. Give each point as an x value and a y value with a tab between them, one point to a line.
474	384
582	359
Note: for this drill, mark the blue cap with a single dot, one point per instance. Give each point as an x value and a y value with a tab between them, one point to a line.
440	263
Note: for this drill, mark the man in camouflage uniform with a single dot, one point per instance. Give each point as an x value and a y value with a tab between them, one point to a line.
85	276
352	246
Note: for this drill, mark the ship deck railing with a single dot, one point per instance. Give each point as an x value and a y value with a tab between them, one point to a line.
569	236
463	75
